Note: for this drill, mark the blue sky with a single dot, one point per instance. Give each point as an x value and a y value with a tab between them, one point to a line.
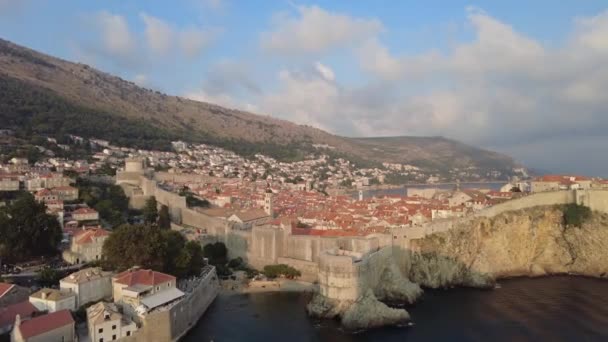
521	77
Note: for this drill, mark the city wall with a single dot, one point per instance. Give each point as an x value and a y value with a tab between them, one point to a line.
173	323
341	277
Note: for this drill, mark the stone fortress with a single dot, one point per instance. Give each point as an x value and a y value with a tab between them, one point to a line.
345	268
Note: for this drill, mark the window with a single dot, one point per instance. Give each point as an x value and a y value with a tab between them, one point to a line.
100	331
158	288
128	333
113	327
113	337
101	339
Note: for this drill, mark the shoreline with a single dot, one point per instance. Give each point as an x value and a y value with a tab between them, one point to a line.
281	285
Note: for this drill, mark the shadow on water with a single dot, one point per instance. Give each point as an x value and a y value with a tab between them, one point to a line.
559	308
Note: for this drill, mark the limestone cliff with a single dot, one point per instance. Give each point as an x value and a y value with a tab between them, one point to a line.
394	287
530	242
364	313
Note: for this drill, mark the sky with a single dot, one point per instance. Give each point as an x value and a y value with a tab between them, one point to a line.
526	78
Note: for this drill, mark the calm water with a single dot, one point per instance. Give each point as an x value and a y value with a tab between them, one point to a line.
546	309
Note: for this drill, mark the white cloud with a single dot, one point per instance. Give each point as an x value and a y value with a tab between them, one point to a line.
193	41
502	89
140	79
159	34
214	4
325	71
315	30
116	37
162	38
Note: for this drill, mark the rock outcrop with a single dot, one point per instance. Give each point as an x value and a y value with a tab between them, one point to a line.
394	287
368	312
364	313
530	242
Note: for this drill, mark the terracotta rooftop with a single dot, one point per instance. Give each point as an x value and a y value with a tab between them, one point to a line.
41	324
51	294
8	314
87	235
4	288
144	277
85	275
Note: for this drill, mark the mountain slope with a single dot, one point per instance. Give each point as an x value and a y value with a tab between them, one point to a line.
75	98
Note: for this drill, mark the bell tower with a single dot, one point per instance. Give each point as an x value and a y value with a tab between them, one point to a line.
268	205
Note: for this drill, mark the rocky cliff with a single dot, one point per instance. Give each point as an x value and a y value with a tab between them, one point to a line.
530	242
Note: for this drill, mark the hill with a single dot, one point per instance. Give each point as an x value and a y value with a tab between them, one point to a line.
44	94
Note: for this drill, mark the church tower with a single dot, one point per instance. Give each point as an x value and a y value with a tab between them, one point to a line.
268	207
360	195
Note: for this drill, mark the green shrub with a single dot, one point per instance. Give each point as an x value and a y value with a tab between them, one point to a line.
274	271
235	263
576	214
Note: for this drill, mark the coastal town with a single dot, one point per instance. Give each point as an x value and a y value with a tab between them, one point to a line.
312	198
264	214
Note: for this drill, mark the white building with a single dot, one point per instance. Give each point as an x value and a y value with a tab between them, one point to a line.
89	285
53	300
106	323
86	246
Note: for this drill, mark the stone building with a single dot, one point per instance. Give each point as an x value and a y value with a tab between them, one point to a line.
85	214
86	246
9	183
89	285
139	290
245	220
53	300
106	323
56	326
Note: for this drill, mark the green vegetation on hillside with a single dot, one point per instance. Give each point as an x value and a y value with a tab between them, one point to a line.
576	214
27	231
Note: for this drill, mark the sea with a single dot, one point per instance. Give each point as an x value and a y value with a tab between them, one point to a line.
558	308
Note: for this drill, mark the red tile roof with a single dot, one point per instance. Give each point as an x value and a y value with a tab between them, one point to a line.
42	324
23	309
4	288
144	277
84	211
87	235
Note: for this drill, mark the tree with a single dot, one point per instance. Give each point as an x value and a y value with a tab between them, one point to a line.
27	231
275	271
150	247
164	219
48	277
216	253
150	210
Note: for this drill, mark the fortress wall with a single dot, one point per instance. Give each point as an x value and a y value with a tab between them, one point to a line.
266	246
533	200
185	177
345	278
238	242
594	199
309	269
173	323
338	277
128	177
213	225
